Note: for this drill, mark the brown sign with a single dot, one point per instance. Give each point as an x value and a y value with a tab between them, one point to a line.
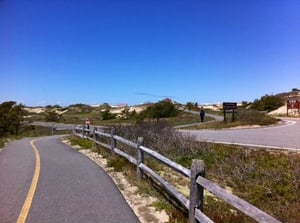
293	104
229	105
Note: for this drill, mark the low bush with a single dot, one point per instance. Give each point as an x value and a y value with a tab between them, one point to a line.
2	143
267	103
162	109
253	117
84	143
159	136
107	115
117	163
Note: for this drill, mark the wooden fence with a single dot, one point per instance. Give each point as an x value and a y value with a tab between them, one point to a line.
196	175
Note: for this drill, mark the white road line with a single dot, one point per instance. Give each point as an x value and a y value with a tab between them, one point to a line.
253	145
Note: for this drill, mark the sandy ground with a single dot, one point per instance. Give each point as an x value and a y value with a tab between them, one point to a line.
37	110
141	205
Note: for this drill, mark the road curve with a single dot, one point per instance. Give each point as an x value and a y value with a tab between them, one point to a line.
70	188
283	136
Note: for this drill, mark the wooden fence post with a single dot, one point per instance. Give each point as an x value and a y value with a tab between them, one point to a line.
196	191
140	157
83	131
113	141
52	128
94	134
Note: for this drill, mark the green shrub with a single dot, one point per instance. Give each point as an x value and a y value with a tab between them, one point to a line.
84	143
117	163
52	116
267	103
11	117
2	143
161	109
192	106
107	115
253	117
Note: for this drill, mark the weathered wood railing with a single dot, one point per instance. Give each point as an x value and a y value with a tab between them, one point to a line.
198	182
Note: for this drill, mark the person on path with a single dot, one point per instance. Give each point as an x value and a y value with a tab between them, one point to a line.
202	114
87	123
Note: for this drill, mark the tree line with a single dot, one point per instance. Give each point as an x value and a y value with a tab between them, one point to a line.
161	109
12	114
11	118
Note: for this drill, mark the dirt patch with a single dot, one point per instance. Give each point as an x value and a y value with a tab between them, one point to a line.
246	127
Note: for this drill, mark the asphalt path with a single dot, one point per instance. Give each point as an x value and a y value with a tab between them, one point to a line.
285	135
70	187
16	170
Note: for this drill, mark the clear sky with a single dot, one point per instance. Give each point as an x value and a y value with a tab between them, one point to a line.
134	51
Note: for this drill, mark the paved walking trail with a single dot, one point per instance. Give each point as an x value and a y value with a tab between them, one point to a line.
63	185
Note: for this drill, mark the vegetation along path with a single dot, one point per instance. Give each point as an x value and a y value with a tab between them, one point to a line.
283	136
44	180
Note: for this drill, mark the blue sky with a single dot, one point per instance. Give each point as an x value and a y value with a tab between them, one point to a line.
134	51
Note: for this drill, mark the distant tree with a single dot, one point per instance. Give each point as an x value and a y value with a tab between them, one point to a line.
53	106
133	114
125	114
245	104
161	109
267	103
105	105
295	90
106	115
52	116
16	118
81	108
11	117
139	118
189	106
79	105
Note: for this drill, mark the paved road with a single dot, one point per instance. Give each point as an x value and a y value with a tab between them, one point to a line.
70	187
284	136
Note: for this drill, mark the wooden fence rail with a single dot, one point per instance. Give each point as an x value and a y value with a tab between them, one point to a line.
196	175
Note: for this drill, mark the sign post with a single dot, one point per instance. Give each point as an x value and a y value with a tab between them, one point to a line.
292	104
229	107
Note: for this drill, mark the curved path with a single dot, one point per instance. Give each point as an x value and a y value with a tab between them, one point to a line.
69	186
283	136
